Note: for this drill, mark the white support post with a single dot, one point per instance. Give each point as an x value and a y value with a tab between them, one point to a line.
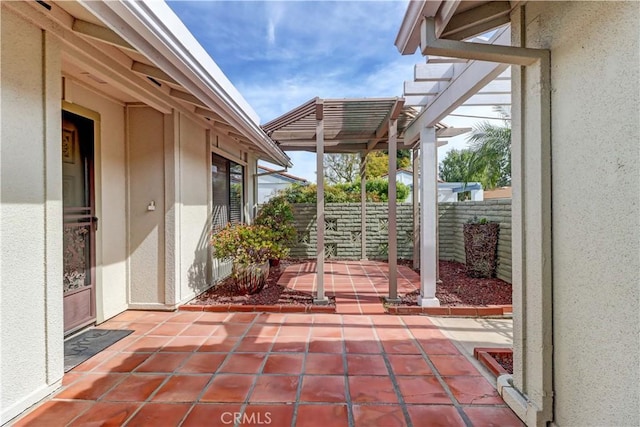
428	217
415	196
363	205
392	203
320	296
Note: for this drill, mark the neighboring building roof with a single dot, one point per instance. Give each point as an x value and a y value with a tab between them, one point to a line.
157	46
498	193
284	175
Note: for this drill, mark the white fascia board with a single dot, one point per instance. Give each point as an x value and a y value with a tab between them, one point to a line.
156	32
408	38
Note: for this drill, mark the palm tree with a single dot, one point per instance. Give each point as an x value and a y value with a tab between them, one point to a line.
491	153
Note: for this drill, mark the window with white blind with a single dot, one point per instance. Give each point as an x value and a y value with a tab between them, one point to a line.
227	179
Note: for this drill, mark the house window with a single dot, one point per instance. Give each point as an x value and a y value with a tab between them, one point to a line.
227	179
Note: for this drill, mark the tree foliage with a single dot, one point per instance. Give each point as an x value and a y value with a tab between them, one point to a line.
377	191
341	167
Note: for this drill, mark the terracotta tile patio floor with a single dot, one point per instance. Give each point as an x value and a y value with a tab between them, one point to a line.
200	369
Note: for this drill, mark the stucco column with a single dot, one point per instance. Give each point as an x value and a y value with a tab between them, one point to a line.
363	205
428	217
320	296
415	196
392	203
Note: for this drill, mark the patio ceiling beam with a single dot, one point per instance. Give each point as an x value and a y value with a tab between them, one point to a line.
187	97
475	21
430	44
211	115
100	33
445	13
151	71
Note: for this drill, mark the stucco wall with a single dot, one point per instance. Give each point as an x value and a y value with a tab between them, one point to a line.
30	216
110	185
595	76
146	184
342	234
194	199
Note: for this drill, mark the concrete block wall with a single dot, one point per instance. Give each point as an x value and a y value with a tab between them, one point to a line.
343	230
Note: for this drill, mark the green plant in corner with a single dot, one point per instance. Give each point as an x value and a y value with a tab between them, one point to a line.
249	247
277	216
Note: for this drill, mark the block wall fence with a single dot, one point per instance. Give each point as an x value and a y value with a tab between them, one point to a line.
343	230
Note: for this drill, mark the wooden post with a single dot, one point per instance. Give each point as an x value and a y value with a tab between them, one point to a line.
363	205
320	296
392	203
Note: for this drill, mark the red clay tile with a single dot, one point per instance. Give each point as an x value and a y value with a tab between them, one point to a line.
423	389
325	388
263	331
366	364
438	346
94	361
53	412
185	317
211	415
290	344
90	387
182	388
326	332
141	328
322	416
492	417
326	345
159	415
275	415
243	363
435	416
376	415
163	362
275	388
409	364
202	363
369	347
185	344
71	377
292	309
372	390
232	329
168	329
190	307
218	344
196	330
284	363
228	388
242	318
106	414
255	344
400	346
122	362
473	390
453	365
324	364
135	388
147	344
294	331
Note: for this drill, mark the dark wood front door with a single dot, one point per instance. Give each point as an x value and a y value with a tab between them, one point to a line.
80	223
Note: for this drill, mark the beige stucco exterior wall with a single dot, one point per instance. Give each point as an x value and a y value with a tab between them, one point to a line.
31	321
595	99
110	173
145	134
194	175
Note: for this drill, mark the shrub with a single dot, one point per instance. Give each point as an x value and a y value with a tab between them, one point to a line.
377	191
277	216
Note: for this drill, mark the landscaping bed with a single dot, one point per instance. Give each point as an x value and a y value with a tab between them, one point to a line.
497	360
226	296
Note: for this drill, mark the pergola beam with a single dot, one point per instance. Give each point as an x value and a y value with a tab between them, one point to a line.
476	20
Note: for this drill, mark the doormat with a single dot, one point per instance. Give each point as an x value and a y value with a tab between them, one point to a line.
88	344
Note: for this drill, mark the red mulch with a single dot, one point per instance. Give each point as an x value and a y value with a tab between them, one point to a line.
272	294
458	289
505	360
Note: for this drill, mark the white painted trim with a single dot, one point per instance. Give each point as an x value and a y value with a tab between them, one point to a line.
152	306
428	217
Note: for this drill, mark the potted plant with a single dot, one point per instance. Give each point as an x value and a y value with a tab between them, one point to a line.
277	215
249	247
480	247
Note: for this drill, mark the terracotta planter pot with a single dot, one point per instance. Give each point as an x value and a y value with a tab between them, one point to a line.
481	247
251	278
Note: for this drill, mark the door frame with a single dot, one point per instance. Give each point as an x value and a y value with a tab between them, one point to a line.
97	209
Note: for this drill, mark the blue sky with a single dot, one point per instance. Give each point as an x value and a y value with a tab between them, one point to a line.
282	54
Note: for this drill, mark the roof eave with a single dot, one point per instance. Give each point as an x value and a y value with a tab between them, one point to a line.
156	32
408	38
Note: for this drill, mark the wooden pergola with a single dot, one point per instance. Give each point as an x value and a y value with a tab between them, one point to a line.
359	126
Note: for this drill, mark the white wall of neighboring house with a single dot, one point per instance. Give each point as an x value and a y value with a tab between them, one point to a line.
445	189
270	184
153	259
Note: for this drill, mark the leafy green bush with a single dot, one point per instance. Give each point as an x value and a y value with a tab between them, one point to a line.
277	216
377	191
